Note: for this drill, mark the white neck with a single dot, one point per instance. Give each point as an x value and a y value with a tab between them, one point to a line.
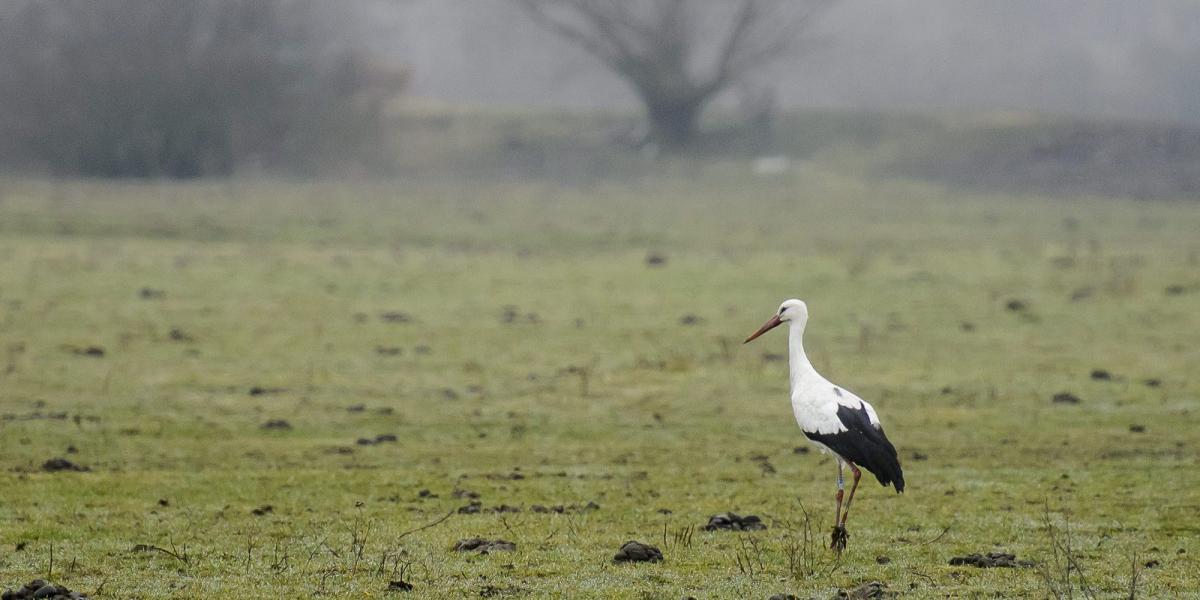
798	362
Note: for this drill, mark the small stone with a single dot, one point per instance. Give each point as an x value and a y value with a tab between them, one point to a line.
633	551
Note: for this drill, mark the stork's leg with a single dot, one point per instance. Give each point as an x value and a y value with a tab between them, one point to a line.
837	539
853	486
841	483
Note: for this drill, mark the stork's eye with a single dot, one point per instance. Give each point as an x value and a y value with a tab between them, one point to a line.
781	309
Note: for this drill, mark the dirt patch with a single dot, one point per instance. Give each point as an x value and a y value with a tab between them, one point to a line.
991	560
1065	398
731	521
395	316
382	438
89	351
1136	428
655	259
1101	375
867	591
276	425
259	390
40	588
633	551
178	335
56	465
690	319
483	546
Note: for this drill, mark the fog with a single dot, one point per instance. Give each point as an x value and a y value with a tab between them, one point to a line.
1092	57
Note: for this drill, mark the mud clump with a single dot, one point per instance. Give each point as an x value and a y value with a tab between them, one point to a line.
382	438
730	521
633	551
1065	398
399	586
483	546
564	508
991	560
40	588
874	590
90	351
56	465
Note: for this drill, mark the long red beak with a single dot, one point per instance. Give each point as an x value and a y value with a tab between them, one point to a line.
771	323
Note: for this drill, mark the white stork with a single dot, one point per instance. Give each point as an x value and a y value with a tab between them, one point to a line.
834	419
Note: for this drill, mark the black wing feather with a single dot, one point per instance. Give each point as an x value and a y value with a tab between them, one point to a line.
865	445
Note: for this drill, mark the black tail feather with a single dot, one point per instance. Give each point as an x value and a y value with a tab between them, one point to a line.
865	445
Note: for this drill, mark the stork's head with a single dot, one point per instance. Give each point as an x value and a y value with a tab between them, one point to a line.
792	310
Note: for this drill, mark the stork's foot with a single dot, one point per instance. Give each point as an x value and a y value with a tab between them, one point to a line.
838	538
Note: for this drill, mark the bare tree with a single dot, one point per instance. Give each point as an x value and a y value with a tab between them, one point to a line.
678	54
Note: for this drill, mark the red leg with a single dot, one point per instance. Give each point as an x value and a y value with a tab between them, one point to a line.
853	486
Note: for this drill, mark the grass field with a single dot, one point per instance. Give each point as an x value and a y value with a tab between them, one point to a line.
514	340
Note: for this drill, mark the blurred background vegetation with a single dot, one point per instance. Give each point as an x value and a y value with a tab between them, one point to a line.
1107	103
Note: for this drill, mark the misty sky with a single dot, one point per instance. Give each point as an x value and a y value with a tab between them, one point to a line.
1105	57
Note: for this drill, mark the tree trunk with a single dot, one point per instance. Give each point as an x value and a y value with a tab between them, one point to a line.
673	124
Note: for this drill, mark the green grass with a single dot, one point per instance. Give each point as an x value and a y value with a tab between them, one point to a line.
602	395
